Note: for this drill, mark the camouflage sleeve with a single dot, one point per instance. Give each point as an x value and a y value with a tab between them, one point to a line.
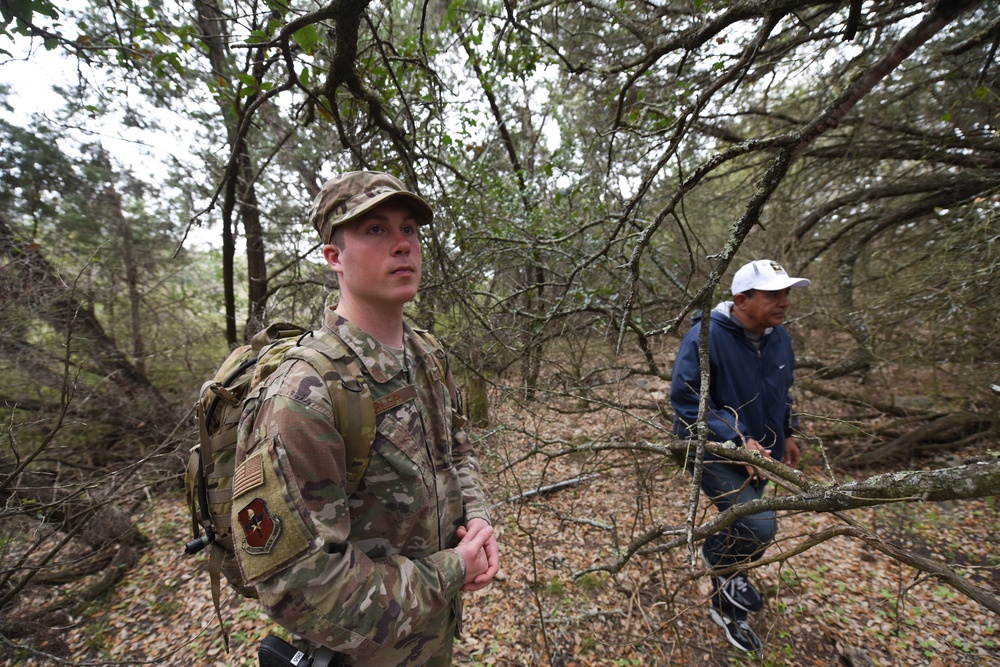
289	499
467	465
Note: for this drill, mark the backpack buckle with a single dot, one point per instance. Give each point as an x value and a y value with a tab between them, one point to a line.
356	385
223	393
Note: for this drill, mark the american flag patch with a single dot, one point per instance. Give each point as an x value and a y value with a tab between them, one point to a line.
249	475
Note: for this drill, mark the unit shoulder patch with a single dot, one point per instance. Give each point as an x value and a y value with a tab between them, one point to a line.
261	529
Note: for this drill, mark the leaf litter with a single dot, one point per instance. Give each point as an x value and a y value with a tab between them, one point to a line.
841	603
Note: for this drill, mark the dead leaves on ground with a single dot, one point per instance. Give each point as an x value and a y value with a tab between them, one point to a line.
838	604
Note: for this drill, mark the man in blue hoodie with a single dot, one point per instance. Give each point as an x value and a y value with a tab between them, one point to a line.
751	367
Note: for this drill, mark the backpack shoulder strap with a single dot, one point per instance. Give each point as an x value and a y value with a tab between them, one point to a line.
435	350
355	408
350	395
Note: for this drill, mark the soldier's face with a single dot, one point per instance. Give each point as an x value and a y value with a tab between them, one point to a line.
380	262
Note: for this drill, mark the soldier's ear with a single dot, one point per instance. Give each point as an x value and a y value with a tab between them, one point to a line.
331	253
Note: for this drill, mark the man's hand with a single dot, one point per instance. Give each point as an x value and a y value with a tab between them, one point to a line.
792	453
753	472
482	564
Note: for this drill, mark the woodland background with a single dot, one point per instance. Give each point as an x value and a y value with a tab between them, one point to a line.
597	169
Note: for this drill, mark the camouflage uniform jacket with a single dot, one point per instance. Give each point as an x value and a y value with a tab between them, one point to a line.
372	575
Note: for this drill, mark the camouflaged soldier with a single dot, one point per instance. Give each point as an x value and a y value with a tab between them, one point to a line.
375	575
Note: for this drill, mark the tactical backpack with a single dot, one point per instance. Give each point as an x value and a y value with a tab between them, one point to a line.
210	469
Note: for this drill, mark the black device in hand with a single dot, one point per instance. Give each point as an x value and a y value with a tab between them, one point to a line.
276	652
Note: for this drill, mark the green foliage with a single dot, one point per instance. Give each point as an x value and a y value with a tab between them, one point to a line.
308	38
19	17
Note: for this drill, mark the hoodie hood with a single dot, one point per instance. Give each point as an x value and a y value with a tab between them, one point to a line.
725	308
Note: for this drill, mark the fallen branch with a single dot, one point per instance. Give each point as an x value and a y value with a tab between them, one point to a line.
545	490
975	479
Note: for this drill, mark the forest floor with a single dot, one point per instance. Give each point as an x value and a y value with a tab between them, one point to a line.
841	603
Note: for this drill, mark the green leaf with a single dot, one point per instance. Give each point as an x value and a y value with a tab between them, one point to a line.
307	38
278	5
46	8
453	9
257	37
250	85
11	9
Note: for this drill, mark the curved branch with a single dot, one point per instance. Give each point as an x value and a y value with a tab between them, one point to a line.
975	480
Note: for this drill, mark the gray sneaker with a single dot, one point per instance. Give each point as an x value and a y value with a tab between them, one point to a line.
738	632
735	590
739	592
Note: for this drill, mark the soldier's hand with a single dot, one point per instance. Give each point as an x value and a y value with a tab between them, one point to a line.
471	548
486	560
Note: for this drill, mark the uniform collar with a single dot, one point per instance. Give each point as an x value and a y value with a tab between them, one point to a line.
378	361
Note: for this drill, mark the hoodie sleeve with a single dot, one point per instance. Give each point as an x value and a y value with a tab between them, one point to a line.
791	420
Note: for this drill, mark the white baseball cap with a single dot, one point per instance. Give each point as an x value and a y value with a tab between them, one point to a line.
767	275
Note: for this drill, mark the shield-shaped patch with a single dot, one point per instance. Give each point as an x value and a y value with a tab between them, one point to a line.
261	529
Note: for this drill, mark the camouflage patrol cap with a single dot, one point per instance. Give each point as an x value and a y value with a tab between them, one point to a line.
348	196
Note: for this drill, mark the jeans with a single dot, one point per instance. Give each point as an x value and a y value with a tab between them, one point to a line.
744	540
